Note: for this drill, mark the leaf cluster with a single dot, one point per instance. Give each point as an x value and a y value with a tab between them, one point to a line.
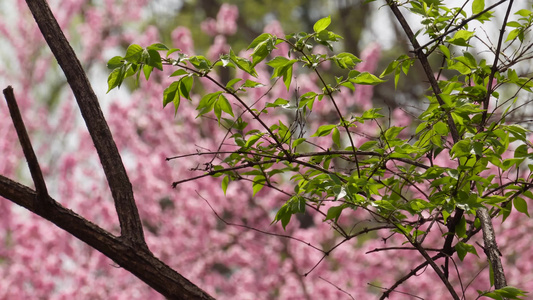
398	177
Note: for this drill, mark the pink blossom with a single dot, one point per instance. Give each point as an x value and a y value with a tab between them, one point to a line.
370	57
219	47
225	23
227	19
181	38
209	26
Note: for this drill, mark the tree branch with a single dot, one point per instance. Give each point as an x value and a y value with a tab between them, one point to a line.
139	261
128	215
491	248
422	57
31	158
494	67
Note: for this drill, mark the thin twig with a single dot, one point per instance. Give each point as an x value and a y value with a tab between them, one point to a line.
494	67
27	148
258	230
338	288
463	23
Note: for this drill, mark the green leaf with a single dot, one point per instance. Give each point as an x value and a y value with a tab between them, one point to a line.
258	184
254	138
334	212
460	228
225	105
461	149
297	142
336	137
523	12
232	82
392	132
521	205
178	73
513	34
510	162
170	51
186	86
225	182
115	78
297	204
322	24
154	59
252	84
478	6
200	62
277	62
172	94
441	128
368	146
278	102
115	62
147	70
284	215
243	64
521	151
445	51
260	39
263	46
346	60
133	53
282	67
463	248
207	102
324	130
157	47
366	78
461	38
507	292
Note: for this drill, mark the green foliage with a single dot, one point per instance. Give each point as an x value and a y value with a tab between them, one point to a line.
507	292
399	179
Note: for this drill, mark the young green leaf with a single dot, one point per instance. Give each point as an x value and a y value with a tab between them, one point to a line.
178	72
115	62
225	105
133	53
115	78
284	215
186	86
324	130
322	24
346	60
170	51
232	82
225	183
147	70
243	64
252	84
521	205
172	94
157	47
154	59
366	78
258	184
334	212
336	137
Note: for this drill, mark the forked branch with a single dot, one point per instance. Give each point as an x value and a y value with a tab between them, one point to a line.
119	183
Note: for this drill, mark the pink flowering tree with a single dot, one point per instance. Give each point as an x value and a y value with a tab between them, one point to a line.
269	134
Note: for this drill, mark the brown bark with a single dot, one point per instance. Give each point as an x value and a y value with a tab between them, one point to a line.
138	261
130	223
